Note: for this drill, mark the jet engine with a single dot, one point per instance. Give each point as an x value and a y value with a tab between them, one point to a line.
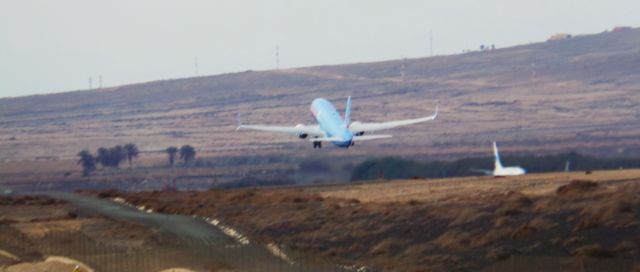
301	135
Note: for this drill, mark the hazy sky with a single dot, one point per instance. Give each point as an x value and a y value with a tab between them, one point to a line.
52	46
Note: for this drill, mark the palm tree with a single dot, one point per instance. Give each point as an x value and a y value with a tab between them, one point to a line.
103	157
118	154
187	153
132	152
111	157
172	151
88	162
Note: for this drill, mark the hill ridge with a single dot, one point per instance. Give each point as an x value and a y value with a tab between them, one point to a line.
576	94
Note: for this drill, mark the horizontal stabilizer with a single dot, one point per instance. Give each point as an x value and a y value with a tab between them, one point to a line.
295	130
327	139
370	137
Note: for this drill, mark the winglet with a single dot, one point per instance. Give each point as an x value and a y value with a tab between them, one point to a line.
498	164
347	113
435	115
239	122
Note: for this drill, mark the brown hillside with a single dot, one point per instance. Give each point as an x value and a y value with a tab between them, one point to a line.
538	222
577	94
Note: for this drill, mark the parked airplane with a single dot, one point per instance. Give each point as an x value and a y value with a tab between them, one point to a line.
499	170
332	128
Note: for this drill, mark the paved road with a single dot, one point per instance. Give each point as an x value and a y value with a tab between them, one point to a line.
198	236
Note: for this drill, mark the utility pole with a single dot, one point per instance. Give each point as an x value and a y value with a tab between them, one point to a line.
402	68
277	57
430	43
195	64
100	81
90	83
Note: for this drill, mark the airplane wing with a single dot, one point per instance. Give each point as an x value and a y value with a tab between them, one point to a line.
482	171
358	127
296	130
327	139
369	137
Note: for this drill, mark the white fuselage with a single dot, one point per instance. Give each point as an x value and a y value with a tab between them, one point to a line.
508	171
501	171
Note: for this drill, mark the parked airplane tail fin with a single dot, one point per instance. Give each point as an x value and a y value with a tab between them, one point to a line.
347	113
498	164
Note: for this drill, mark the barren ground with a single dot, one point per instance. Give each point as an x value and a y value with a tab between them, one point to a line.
33	228
577	94
550	222
439	190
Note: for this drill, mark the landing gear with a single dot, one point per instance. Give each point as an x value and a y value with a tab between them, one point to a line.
317	144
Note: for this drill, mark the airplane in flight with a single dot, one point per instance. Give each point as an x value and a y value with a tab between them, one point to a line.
332	128
499	170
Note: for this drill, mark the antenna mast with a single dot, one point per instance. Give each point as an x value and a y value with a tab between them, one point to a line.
195	64
430	43
277	57
404	60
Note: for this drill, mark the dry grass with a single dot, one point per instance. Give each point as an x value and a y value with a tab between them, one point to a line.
457	189
466	224
40	229
593	250
42	266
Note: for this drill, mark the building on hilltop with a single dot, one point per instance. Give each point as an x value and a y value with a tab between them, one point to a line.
559	36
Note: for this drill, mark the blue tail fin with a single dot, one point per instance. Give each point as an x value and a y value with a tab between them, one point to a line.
347	113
